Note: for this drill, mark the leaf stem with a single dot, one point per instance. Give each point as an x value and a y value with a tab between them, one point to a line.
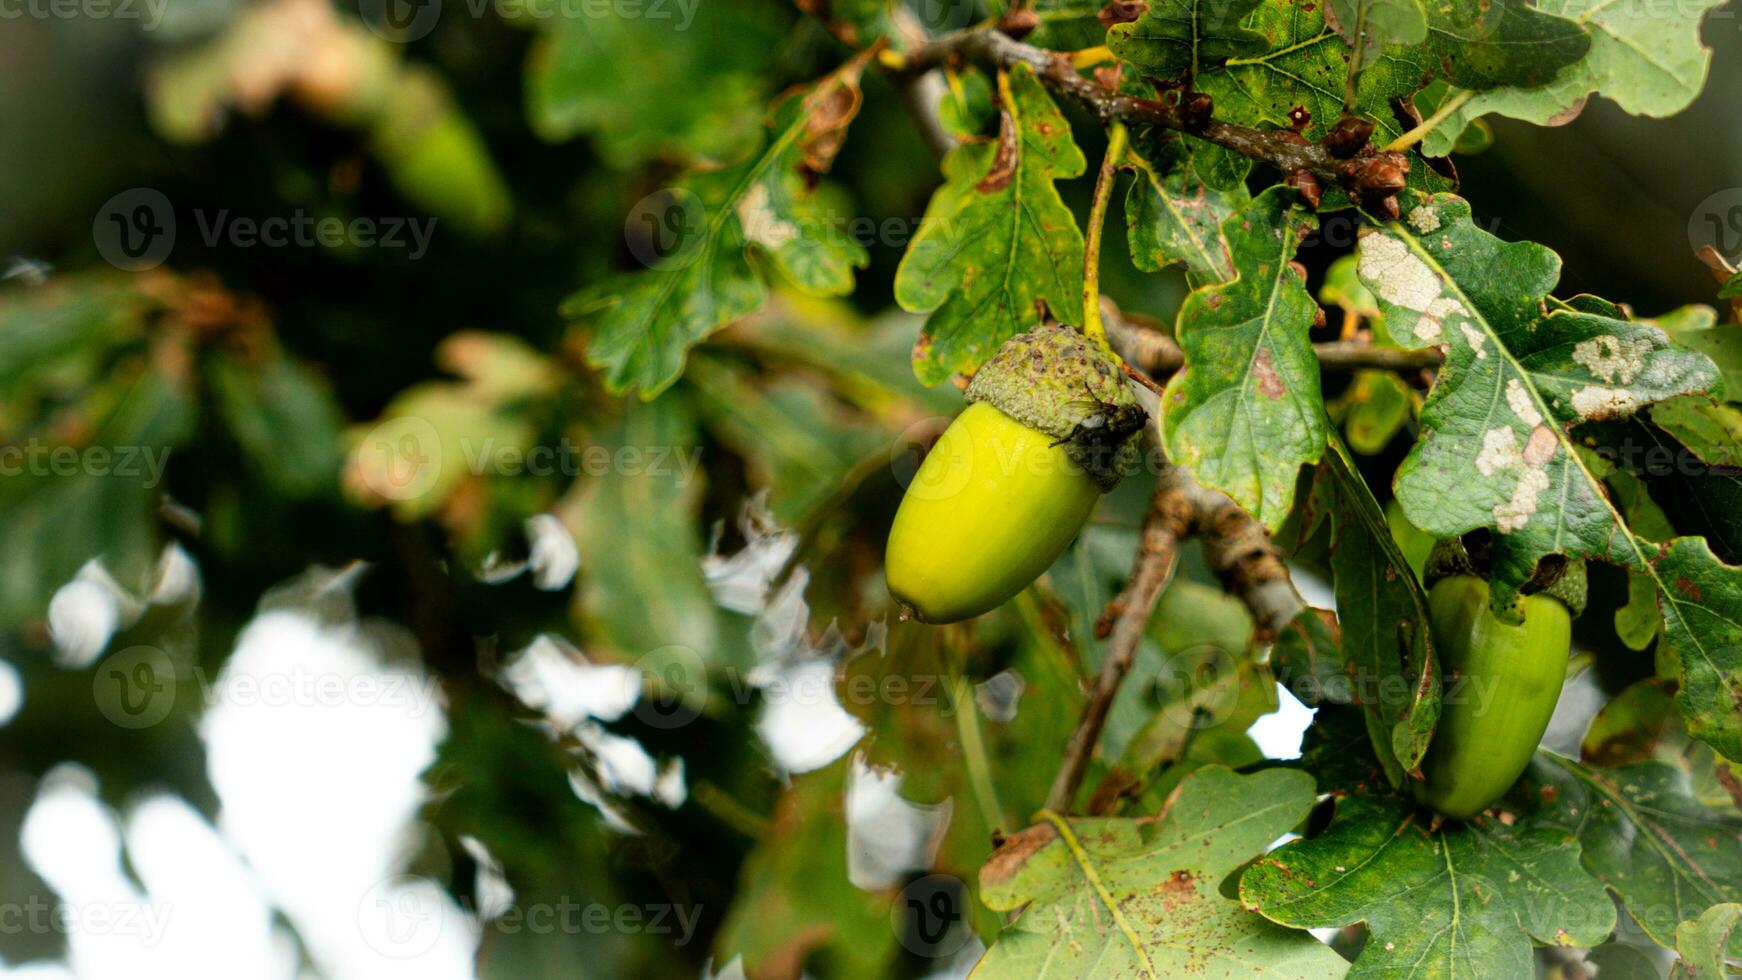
974	754
730	812
1355	58
1092	326
1090	57
1429	124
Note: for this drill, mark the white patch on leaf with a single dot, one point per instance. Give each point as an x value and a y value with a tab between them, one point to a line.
761	224
1475	339
1499	451
1402	279
1424	220
1518	399
1614	359
1597	402
1515	513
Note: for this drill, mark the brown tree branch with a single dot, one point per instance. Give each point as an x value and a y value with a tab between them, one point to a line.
1165	524
1240	552
1367	175
1158	355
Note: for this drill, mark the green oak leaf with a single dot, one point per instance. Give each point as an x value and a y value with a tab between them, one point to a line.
1508	42
1643	835
1246	413
1463	900
1707	944
55	522
629	82
1640	724
1065	25
1173	216
1696	496
1373	409
1178	36
1638	623
283	416
643	324
1712	431
1697	326
1495	451
1623	961
1383	613
650	594
996	240
1371	26
1306	64
1114	897
1648	59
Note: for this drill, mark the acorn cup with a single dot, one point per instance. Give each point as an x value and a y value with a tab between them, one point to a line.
1051	425
1500	680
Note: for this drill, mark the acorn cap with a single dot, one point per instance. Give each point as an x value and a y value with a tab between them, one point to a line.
1559	576
1049	379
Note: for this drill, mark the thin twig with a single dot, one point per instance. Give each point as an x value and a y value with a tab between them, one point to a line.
1164	525
1104	181
1282	149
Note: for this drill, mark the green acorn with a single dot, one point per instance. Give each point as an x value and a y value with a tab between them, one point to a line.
1500	680
1051	425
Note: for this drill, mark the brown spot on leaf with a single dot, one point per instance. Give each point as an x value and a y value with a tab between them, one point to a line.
1121	12
1014	853
1269	384
1686	587
1180	885
1004	161
829	108
1568	114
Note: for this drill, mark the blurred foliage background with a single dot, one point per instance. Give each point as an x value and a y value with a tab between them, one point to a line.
271	377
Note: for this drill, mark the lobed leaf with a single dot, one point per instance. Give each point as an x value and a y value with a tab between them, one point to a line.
1116	898
1509	42
996	241
1174	216
1462	900
1246	412
1644	836
644	324
1648	59
1495	451
1178	36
